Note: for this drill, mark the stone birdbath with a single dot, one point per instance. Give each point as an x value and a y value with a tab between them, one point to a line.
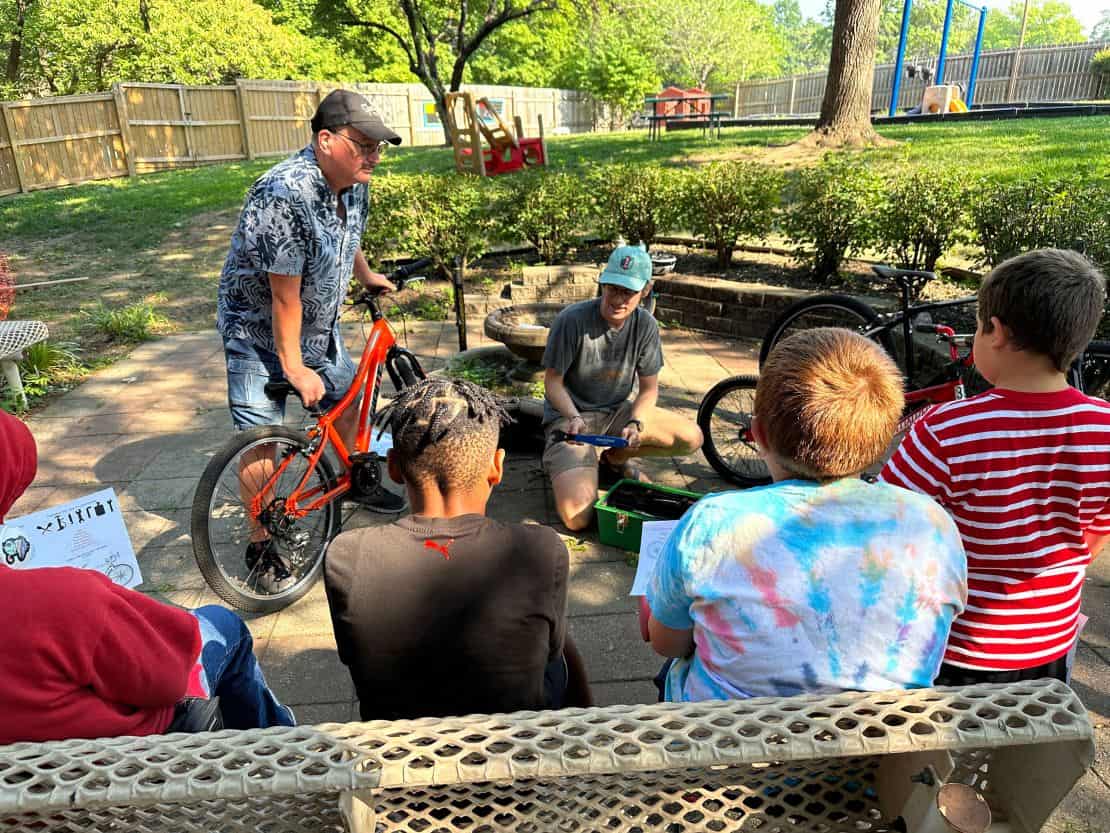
523	329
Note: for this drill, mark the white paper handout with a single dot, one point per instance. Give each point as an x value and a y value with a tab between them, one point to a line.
653	535
88	533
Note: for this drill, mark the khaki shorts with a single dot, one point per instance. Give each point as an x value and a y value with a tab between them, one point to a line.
561	457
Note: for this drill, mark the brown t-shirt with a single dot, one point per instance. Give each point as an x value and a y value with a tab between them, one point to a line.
447	616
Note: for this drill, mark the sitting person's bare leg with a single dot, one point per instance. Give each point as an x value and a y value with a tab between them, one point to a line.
665	435
575	495
347	425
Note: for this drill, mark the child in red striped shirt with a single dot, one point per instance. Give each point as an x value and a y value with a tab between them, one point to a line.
1024	470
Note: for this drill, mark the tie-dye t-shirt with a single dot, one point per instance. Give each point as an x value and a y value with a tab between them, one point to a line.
799	587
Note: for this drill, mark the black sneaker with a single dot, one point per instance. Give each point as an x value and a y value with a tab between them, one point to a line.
276	579
273	573
381	501
258	550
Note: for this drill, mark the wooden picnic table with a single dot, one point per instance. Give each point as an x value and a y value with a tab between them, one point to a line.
707	120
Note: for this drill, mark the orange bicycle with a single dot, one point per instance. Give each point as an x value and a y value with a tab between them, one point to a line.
275	484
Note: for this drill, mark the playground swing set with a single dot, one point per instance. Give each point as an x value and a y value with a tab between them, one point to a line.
940	97
470	119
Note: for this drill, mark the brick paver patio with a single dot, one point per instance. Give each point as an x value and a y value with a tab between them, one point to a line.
147	426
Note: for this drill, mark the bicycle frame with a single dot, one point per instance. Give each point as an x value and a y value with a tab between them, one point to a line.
946	391
301	501
905	316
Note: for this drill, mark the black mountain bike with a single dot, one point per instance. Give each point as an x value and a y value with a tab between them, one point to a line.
935	360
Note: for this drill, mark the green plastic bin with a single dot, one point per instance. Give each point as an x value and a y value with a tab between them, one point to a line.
621	527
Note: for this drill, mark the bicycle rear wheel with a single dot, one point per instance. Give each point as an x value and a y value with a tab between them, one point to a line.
1095	369
824	311
725	420
222	525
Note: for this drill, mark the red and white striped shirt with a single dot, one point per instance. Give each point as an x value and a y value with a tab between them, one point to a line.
1024	475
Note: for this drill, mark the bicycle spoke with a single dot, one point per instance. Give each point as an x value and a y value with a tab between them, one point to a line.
251	477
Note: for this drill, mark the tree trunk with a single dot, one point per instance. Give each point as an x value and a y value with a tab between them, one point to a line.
15	47
846	109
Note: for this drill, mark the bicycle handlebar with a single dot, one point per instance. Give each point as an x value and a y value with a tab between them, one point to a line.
890	273
399	277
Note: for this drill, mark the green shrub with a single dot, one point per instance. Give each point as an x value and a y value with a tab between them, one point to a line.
450	217
726	201
47	356
637	202
1100	63
493	372
1038	212
135	322
832	210
547	208
1010	217
1079	217
387	228
922	216
45	365
434	305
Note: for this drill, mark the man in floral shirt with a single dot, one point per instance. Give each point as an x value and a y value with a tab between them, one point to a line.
292	254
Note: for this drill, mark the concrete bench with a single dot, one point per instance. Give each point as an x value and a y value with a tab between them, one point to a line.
821	764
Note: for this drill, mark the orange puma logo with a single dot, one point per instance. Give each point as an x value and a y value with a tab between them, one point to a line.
440	548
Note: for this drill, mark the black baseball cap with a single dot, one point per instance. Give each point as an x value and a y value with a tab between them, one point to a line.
343	107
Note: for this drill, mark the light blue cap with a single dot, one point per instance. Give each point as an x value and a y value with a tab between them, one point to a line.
628	266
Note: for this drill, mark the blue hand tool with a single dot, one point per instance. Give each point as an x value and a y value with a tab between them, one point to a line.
603	440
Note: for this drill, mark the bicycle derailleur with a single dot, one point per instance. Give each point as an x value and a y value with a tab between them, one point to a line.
283	528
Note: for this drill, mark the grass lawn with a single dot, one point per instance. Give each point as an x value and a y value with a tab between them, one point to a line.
161	239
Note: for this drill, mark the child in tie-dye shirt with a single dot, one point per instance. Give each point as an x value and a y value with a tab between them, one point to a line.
820	582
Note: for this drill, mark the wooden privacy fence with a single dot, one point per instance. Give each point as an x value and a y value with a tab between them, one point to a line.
138	128
1050	73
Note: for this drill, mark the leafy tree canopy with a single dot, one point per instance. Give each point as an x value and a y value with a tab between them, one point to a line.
1101	30
76	46
618	50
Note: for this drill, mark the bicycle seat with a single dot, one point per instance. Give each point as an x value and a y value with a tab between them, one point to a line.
903	277
279	390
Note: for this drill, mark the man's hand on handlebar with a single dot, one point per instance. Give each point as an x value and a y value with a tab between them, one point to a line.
309	385
378	283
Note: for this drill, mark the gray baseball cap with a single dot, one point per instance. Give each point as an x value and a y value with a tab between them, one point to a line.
343	107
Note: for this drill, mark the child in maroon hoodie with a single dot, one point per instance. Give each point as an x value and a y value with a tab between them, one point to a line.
86	658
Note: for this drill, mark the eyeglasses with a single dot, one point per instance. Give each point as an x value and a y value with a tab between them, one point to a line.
367	149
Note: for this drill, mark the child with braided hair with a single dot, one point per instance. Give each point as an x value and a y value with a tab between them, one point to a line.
448	612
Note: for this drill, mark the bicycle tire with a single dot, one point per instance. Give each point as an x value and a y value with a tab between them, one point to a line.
217	548
725	420
824	311
1095	369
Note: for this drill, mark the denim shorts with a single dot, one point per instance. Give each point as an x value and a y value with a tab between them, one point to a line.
251	368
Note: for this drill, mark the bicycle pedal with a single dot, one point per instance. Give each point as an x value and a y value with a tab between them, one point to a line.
361	458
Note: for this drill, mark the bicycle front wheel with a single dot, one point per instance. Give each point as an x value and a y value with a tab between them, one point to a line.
223	525
725	420
824	311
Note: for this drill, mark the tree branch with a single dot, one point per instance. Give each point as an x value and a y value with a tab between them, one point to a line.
491	24
381	27
460	29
